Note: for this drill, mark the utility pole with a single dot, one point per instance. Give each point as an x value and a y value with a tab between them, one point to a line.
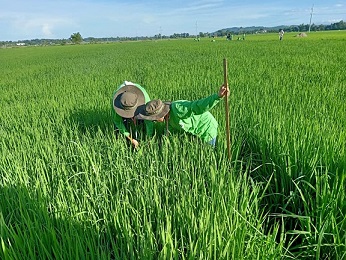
196	30
312	11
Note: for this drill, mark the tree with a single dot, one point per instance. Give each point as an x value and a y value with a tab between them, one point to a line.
340	25
76	38
202	34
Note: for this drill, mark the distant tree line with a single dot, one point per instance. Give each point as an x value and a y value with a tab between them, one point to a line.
292	28
314	27
76	38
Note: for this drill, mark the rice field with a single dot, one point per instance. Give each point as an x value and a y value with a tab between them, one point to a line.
71	188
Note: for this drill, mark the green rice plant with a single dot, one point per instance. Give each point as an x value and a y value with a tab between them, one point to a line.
72	188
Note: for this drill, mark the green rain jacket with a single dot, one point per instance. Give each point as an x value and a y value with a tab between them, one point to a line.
118	120
193	117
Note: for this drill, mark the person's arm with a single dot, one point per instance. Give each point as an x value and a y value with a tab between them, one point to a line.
200	106
119	124
185	109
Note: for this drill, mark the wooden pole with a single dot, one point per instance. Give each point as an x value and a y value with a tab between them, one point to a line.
225	83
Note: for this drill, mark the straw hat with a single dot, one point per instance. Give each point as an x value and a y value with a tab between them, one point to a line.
127	100
154	110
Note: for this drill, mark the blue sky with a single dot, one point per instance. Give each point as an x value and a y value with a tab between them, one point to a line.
58	19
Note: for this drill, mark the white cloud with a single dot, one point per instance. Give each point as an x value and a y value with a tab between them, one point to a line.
47	30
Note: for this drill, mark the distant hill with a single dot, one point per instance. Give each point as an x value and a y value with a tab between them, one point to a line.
341	25
252	29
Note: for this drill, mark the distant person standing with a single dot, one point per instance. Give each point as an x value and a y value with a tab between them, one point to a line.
281	34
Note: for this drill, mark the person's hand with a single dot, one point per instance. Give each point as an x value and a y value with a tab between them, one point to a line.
223	91
135	143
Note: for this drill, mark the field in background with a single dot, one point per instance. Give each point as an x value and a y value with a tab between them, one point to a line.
70	188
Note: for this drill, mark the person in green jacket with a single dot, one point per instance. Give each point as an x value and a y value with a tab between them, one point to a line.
187	116
126	101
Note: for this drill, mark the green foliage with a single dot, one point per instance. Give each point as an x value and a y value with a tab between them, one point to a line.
72	189
76	38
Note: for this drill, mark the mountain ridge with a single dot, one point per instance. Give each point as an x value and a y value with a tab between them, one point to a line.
236	29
